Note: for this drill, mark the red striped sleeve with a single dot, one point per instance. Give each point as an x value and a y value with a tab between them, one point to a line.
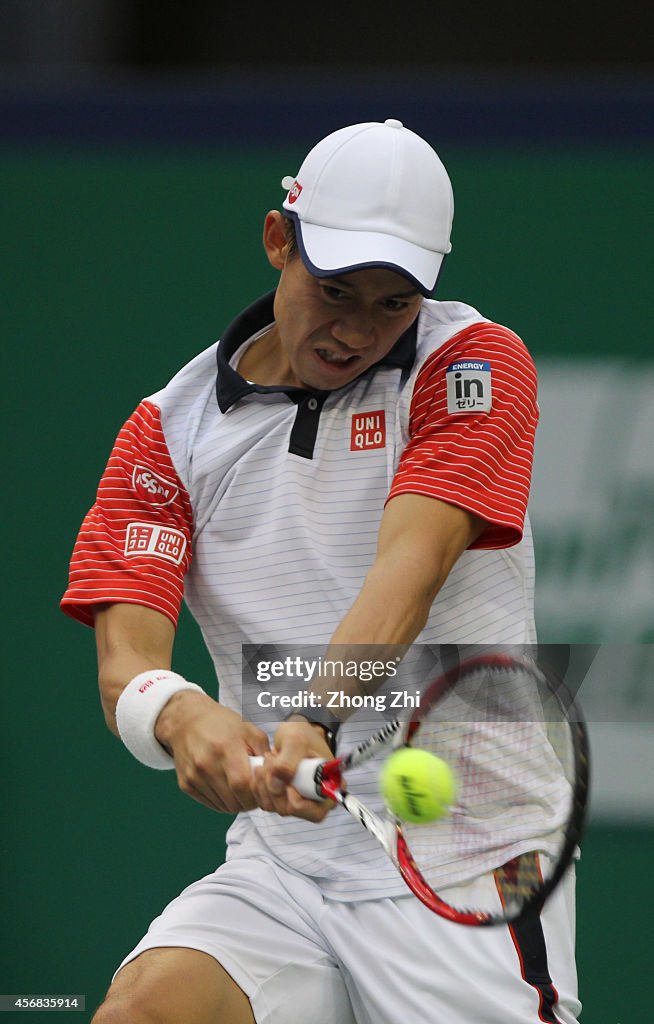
134	545
480	461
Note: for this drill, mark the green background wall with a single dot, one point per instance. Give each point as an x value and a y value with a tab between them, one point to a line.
117	267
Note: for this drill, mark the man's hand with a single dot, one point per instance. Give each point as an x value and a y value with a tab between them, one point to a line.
211	745
293	741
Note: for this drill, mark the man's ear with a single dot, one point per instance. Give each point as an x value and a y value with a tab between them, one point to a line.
275	241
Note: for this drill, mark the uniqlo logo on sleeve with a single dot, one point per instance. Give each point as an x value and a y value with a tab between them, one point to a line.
148	539
368	431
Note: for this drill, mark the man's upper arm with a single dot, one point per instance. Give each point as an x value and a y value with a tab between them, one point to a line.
134	546
135	628
479	459
420	539
426	536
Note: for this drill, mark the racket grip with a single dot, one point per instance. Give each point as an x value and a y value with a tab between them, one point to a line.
304	779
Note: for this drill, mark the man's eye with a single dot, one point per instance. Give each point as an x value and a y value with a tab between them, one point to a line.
330	292
395	305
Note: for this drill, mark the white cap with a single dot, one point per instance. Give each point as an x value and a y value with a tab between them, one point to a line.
372	195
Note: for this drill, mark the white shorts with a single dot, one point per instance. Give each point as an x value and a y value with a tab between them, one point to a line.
303	959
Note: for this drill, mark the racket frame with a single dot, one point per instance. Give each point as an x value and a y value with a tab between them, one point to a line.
325	780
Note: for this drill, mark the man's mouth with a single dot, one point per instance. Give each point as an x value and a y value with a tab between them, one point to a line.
334	357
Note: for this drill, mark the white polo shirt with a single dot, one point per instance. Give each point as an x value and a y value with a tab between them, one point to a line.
261	506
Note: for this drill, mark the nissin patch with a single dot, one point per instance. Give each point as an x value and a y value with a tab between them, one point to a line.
469	386
152	487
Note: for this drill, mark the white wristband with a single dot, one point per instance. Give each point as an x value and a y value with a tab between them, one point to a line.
138	709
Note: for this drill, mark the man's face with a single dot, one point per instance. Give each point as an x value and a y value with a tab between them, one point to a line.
330	330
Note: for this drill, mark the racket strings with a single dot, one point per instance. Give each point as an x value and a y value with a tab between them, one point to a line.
509	746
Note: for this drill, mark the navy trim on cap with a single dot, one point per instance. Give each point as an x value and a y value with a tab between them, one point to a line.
318	272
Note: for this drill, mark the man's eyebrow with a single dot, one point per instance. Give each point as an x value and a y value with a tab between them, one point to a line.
342	280
406	295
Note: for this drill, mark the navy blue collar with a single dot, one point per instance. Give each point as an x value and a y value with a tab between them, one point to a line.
230	386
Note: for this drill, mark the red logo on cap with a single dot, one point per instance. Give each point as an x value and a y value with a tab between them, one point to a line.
294	193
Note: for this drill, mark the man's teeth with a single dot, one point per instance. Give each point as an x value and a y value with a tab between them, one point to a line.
332	357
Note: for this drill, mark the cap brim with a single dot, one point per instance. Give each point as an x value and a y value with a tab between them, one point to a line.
327	252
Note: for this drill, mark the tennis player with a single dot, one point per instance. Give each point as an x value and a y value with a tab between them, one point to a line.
350	464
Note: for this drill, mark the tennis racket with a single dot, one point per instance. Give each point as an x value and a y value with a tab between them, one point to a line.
516	740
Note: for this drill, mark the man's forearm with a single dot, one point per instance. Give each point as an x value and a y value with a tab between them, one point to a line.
130	640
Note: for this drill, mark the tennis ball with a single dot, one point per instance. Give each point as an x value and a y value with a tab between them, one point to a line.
417	786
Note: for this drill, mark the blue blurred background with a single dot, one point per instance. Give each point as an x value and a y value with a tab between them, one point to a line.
140	146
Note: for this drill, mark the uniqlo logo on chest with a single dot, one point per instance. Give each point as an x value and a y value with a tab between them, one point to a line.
368	430
149	539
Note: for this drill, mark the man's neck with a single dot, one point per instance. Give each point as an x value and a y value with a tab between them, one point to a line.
264	362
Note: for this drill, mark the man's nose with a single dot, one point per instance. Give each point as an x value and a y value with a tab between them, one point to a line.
354	332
